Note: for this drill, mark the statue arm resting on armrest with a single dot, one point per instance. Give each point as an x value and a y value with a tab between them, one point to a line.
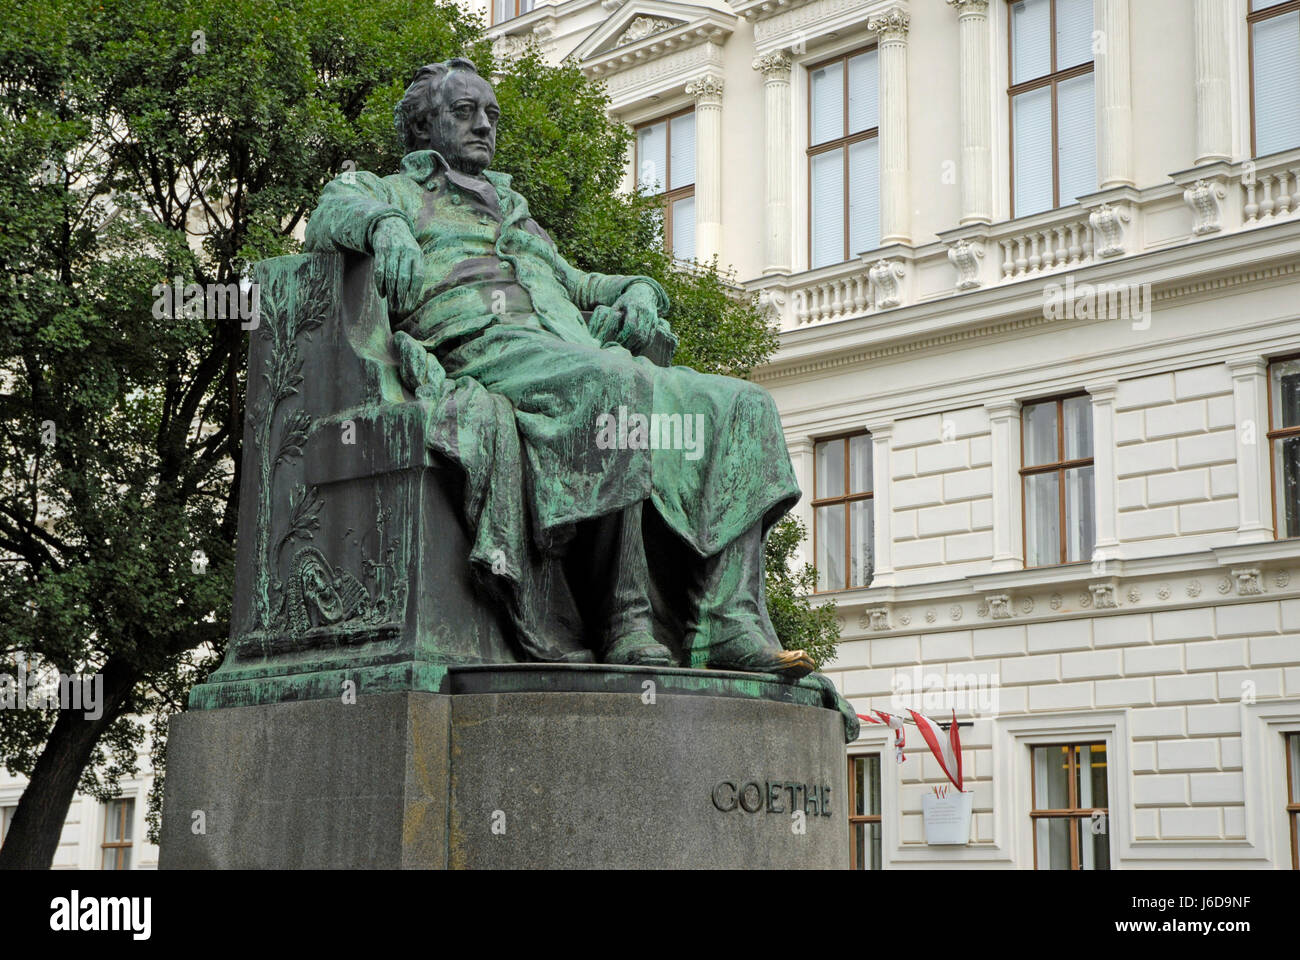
626	310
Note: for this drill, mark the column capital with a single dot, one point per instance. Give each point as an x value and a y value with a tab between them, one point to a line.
774	66
1248	365
1102	391
891	25
799	445
970	8
706	89
880	429
1003	409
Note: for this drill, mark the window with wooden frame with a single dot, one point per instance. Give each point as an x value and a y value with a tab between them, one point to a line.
1053	124
864	812
1274	29
1284	444
1057	480
843	519
1069	808
503	10
1293	795
843	157
6	818
665	167
119	817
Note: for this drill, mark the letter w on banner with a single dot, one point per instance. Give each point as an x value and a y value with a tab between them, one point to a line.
946	748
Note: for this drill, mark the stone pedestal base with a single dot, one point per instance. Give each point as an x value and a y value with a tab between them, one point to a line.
645	768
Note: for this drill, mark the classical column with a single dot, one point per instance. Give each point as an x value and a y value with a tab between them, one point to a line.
1250	408
1004	437
976	111
707	91
1114	96
1103	467
895	202
1212	30
777	137
882	479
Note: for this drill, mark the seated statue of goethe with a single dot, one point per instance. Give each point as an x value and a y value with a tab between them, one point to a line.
617	504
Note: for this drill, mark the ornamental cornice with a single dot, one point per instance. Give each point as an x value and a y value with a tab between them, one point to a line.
794	25
657	76
1176	582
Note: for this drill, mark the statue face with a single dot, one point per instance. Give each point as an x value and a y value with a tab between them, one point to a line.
464	126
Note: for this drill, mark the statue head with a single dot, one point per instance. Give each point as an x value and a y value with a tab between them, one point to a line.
449	108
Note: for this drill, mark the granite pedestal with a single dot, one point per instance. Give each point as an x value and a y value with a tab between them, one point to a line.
518	766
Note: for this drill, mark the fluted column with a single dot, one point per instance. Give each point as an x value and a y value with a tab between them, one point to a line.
707	91
895	203
1211	29
1114	95
976	111
777	136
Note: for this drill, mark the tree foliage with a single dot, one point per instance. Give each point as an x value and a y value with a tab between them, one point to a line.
147	140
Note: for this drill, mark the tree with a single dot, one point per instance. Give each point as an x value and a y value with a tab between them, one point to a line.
149	140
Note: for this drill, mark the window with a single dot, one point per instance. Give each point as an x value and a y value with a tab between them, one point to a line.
119	817
6	818
665	167
1274	75
843	523
1284	439
1293	795
1069	812
503	10
1056	472
843	158
864	812
1053	125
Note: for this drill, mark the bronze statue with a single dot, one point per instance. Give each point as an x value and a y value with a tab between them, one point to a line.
478	292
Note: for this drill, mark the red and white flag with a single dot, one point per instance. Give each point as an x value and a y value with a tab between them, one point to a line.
894	723
945	747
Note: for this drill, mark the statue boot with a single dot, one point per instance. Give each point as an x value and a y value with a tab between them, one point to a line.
610	551
732	630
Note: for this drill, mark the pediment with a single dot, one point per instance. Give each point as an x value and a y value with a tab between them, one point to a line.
641	28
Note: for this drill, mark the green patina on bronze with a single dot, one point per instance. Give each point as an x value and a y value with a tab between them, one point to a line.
425	481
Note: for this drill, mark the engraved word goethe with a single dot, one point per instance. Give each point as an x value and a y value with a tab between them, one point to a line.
772	796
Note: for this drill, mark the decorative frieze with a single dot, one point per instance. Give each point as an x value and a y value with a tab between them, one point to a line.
1248	581
999	606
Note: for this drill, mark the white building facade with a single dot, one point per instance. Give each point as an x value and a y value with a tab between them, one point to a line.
1035	266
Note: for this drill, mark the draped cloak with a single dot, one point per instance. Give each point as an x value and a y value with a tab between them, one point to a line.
529	389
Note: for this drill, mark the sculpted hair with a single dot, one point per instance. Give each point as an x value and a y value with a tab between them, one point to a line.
422	97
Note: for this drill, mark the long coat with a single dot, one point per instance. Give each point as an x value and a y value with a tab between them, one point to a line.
502	311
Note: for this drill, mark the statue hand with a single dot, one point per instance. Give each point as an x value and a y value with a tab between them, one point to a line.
644	332
399	265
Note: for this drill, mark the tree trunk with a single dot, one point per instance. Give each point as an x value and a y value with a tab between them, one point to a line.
33	837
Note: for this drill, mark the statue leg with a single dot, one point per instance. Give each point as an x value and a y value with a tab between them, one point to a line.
607	558
732	630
